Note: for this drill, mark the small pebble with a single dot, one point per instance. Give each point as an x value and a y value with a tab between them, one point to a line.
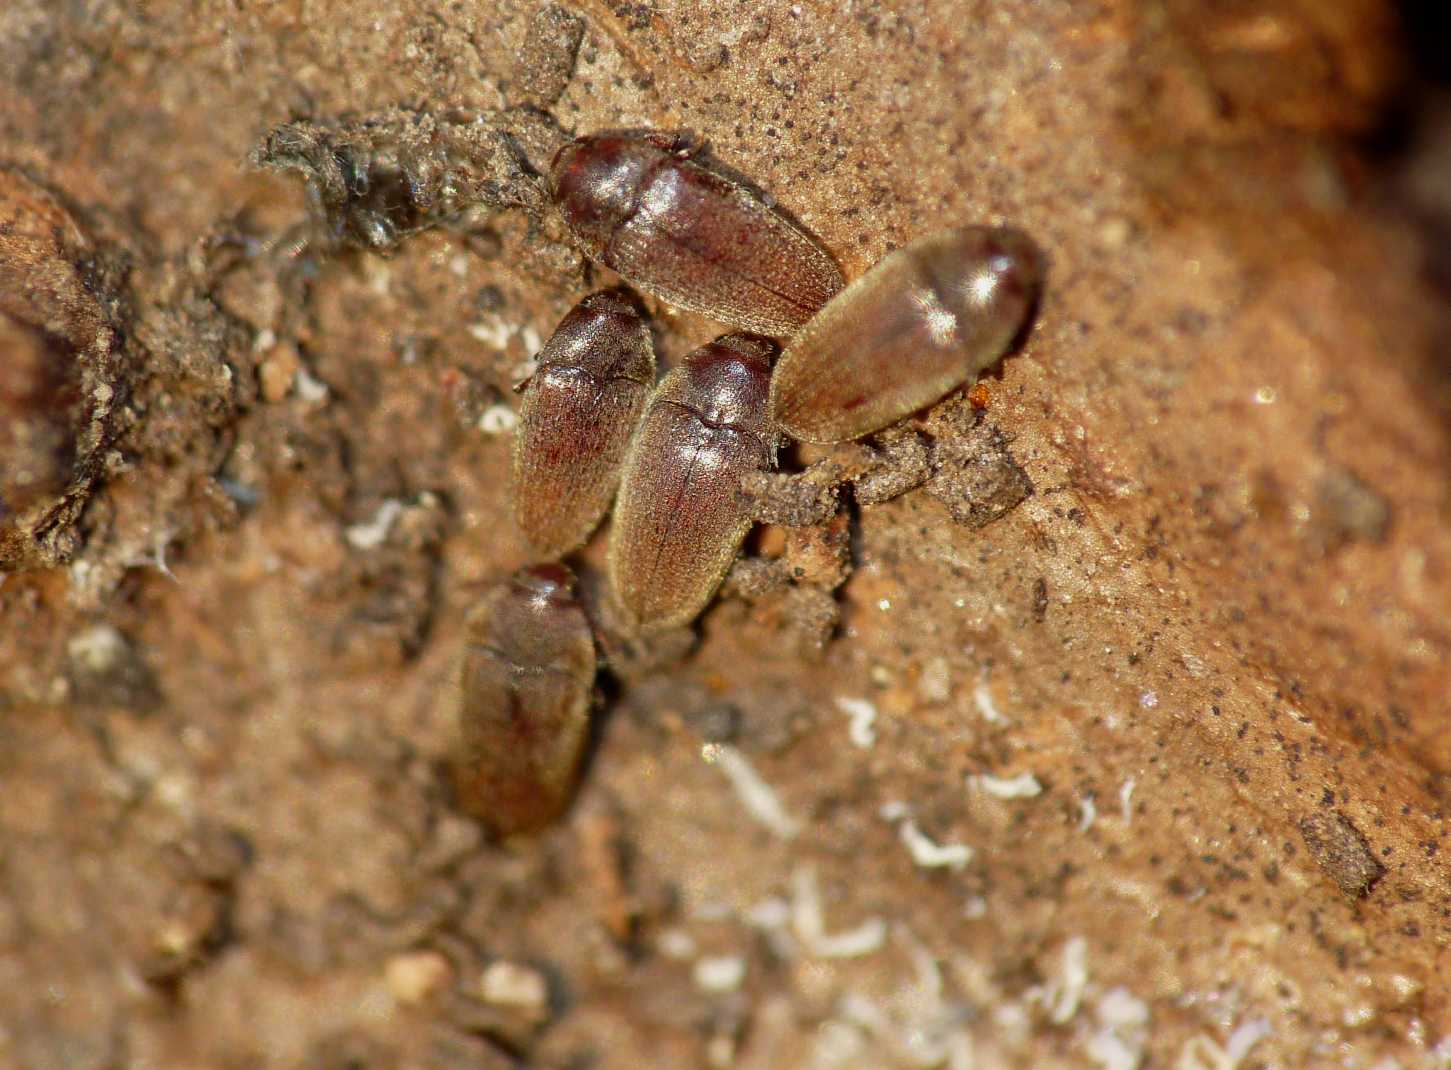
510	984
416	975
278	372
721	973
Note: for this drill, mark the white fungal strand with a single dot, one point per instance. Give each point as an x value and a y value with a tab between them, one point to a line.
928	853
861	730
758	797
1022	786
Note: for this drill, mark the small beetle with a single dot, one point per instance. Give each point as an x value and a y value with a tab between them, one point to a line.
680	517
919	323
578	413
637	204
523	716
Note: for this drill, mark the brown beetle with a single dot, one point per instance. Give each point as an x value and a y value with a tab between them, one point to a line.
637	204
523	716
579	409
680	517
921	322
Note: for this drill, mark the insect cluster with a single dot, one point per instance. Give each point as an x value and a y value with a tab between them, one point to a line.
595	428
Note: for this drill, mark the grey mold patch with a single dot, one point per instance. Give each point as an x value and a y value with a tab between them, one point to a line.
976	477
1342	852
1347	509
375	179
792	500
546	59
901	462
104	669
754	578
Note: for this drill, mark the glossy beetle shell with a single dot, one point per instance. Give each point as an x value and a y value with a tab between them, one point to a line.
921	322
686	234
523	717
680	517
578	412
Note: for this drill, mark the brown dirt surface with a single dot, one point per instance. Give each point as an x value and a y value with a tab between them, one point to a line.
1128	747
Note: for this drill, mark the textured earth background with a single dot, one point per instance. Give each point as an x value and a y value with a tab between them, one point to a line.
1145	767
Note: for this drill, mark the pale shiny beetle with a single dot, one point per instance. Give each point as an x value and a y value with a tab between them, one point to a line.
919	324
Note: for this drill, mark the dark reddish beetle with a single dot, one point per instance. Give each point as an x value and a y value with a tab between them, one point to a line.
526	686
680	518
921	322
579	409
639	205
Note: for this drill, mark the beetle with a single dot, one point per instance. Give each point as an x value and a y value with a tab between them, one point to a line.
680	517
639	205
525	690
921	322
578	412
